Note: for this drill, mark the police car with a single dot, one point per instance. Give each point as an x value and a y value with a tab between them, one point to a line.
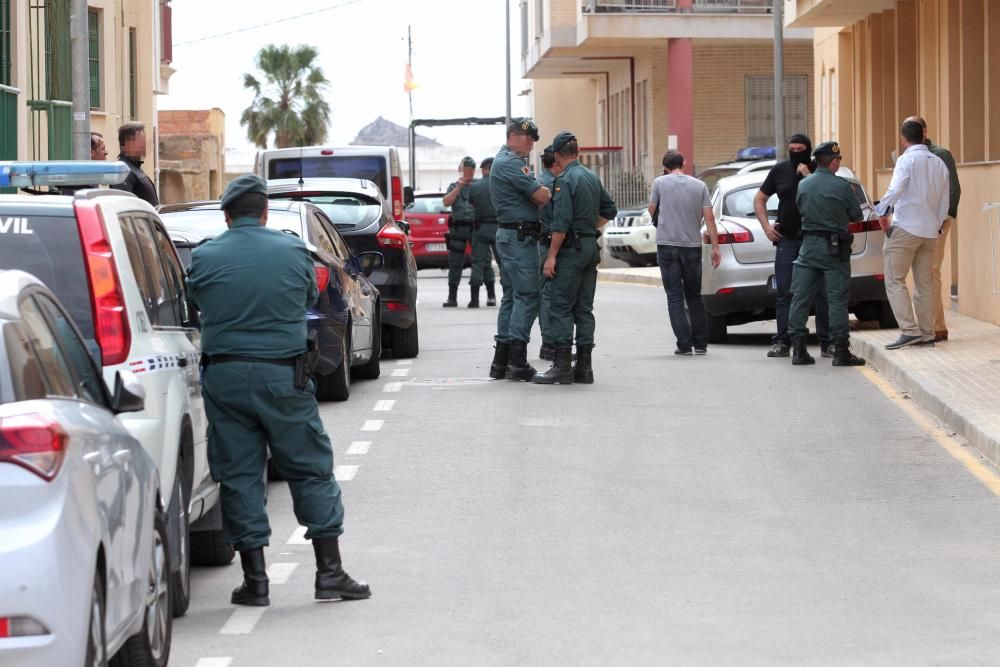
107	257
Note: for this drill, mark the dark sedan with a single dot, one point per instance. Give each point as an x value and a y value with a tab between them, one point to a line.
346	318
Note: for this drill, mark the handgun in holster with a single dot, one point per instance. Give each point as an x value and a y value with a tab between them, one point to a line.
521	233
577	243
305	363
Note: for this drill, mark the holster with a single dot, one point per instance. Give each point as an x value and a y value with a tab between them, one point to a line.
305	363
838	244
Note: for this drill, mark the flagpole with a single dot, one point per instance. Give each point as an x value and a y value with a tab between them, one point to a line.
409	94
409	63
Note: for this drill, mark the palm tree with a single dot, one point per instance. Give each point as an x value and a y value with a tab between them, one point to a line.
289	103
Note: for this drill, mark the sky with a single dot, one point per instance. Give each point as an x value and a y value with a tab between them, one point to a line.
458	61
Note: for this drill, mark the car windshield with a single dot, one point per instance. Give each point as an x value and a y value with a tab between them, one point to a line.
739	203
428	205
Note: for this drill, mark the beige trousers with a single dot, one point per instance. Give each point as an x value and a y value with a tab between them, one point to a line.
939	293
903	252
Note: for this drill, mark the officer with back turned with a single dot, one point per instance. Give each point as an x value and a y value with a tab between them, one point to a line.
253	285
460	230
550	171
517	196
484	237
828	205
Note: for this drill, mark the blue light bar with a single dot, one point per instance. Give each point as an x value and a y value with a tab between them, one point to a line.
62	173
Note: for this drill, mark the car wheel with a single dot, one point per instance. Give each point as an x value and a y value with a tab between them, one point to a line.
150	647
373	368
180	579
337	385
405	343
209	548
97	650
886	320
717	332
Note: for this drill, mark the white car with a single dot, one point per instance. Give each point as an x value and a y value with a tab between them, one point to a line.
107	257
83	544
631	237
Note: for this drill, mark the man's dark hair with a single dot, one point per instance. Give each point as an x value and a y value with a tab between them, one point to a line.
673	160
249	205
487	163
569	149
129	130
912	131
825	161
95	138
548	159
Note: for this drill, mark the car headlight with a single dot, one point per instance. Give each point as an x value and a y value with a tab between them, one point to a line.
646	219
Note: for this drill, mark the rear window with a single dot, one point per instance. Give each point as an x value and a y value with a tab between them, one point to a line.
428	205
368	167
740	204
49	248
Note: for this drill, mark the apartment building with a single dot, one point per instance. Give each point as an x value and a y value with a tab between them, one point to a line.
879	61
633	78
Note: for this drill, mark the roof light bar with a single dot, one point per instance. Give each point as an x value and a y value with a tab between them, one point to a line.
62	173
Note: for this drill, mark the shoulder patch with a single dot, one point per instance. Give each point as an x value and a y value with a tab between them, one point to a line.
526	171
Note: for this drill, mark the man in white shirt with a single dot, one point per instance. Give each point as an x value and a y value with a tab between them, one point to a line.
919	194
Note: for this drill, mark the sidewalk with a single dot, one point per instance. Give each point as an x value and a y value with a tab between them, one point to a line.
958	380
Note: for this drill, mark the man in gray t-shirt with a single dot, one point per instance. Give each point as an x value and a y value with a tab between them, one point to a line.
683	201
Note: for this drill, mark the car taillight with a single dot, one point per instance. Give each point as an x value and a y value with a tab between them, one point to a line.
322	277
870	225
397	306
110	316
21	626
737	234
391	236
33	442
397	198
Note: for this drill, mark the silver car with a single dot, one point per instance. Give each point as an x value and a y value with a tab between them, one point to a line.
742	289
83	550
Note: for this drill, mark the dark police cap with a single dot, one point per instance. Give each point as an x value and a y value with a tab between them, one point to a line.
548	149
562	139
523	126
468	162
827	148
242	185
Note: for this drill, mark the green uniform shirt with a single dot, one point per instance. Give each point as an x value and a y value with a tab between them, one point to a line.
253	285
547	179
479	195
462	209
511	187
954	187
827	202
578	200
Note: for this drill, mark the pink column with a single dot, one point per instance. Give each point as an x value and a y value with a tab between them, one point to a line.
680	92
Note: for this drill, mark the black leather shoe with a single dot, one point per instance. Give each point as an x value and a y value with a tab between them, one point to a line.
842	355
779	349
800	355
498	369
474	297
332	583
583	371
518	369
254	591
561	371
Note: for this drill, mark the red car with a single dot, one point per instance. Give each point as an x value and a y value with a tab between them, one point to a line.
428	219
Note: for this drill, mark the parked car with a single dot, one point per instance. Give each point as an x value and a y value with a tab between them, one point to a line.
84	547
631	237
742	288
428	219
712	175
107	257
346	318
363	217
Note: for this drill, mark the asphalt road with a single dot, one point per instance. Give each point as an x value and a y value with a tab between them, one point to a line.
717	510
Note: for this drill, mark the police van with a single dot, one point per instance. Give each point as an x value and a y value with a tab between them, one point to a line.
107	257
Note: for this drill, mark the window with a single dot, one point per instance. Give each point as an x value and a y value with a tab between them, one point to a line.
833	105
87	379
339	245
94	44
524	28
173	274
824	127
5	36
149	274
539	17
25	371
49	355
317	235
760	108
133	91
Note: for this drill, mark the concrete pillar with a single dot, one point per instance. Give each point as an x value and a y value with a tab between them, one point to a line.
680	92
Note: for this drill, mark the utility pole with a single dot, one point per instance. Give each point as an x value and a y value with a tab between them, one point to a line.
507	56
779	75
80	77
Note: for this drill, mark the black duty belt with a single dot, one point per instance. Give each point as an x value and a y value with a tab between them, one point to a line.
525	224
208	360
462	223
822	234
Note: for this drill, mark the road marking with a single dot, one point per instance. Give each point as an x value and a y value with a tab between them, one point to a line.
392	387
345	473
373	425
298	536
242	621
359	448
278	573
400	372
963	454
404	362
213	662
384	406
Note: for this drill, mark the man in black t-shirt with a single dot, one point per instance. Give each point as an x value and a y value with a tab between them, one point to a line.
786	234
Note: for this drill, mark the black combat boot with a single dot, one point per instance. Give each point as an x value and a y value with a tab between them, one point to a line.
498	369
491	294
452	301
561	371
474	298
253	592
842	355
518	368
800	355
583	372
547	352
331	580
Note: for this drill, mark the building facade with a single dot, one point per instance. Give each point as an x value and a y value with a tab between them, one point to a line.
192	155
879	61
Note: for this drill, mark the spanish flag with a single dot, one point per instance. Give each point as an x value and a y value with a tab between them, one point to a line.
408	84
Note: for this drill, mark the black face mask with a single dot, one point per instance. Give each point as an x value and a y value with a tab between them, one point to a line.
799	157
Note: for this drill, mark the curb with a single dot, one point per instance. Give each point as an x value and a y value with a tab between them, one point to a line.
625	277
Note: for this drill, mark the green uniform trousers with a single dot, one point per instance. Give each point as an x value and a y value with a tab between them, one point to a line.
482	254
571	294
252	407
459	237
812	265
544	305
520	278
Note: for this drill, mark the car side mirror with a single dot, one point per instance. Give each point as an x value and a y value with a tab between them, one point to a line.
370	261
129	394
405	226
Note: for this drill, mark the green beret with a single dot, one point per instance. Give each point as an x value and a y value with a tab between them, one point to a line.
468	162
242	185
523	126
562	139
827	148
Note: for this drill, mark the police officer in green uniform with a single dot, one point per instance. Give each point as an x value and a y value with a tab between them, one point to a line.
580	207
517	196
828	205
460	230
550	170
484	237
252	285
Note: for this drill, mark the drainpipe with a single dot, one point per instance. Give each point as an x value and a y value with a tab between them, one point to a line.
80	77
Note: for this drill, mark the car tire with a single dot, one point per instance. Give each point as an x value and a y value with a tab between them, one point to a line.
373	367
150	647
208	548
886	319
336	386
97	649
405	343
180	579
717	332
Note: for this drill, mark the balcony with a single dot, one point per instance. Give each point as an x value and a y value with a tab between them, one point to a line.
671	7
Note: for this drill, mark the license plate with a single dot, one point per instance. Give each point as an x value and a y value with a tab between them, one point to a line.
436	247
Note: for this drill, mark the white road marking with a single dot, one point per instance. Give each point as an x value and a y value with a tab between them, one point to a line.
400	372
213	662
242	621
359	448
392	387
404	362
384	406
298	536
345	473
373	425
279	573
284	553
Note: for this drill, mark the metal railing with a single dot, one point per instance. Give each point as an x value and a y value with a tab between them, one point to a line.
58	119
8	122
670	6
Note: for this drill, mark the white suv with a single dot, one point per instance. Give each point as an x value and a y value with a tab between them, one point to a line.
107	257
